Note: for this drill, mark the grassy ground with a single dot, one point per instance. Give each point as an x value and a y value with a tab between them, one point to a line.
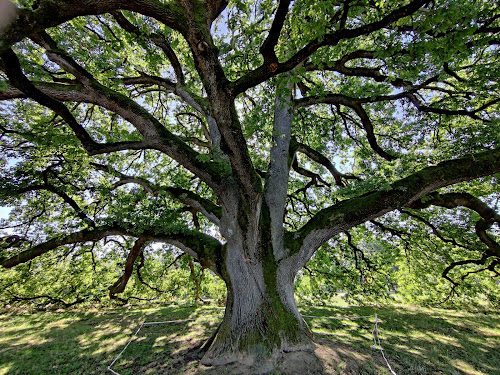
415	340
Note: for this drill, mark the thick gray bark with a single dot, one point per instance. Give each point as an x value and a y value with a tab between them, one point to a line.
261	319
277	179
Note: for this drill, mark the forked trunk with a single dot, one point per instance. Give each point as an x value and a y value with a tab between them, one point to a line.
261	320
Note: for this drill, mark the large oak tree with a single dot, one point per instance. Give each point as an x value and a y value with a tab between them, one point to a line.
247	134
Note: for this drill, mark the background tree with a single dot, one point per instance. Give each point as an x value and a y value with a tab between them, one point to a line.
248	135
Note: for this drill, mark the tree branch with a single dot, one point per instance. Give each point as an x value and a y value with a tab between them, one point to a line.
204	248
51	13
70	201
344	215
210	210
453	200
267	48
155	134
354	104
157	39
264	72
121	283
323	160
86	235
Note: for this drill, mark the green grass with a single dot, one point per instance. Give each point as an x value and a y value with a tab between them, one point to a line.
415	340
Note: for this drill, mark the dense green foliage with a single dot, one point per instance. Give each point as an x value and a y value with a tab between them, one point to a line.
114	134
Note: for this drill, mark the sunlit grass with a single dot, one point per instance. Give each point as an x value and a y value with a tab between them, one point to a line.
415	340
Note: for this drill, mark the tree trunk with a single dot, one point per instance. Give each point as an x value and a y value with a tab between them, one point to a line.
261	320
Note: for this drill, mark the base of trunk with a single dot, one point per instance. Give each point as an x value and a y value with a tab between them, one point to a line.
258	361
260	348
299	361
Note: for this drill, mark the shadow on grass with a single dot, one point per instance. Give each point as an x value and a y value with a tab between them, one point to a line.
420	341
416	341
86	343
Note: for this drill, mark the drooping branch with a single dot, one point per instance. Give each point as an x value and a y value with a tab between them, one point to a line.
196	282
459	263
46	297
453	200
340	217
121	283
433	228
357	251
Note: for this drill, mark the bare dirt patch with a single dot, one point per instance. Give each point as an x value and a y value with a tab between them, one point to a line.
328	358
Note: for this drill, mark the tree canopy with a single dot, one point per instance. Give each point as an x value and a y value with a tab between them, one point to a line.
250	134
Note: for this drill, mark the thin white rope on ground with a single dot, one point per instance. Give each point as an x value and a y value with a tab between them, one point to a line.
134	337
376	339
168	321
339	317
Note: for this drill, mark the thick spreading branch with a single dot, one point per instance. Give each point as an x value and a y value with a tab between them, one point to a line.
155	135
17	77
87	235
50	13
204	248
405	192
